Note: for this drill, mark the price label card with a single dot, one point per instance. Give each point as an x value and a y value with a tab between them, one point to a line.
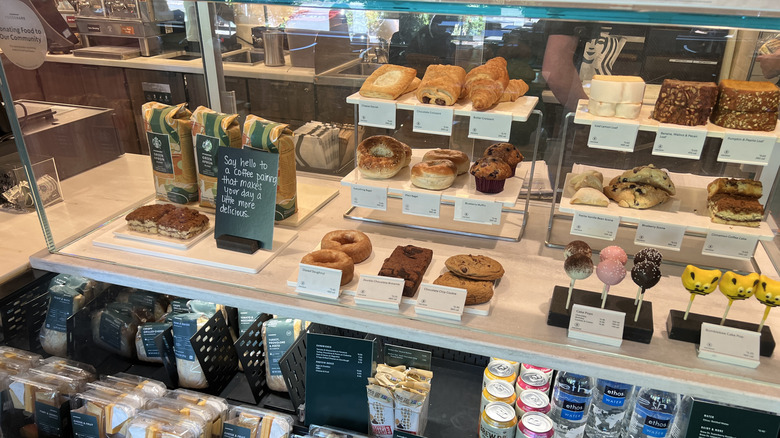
490	126
369	197
594	225
613	135
734	246
676	141
432	120
596	325
376	114
444	301
730	345
477	212
659	235
746	149
318	281
373	290
421	204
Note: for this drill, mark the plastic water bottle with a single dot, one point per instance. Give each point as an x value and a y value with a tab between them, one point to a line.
653	414
571	400
608	410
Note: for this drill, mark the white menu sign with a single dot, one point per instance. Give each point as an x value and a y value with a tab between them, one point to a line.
374	290
680	142
594	225
421	204
376	114
660	235
430	119
369	197
441	301
730	345
616	136
596	325
730	245
746	148
318	281
477	211
490	126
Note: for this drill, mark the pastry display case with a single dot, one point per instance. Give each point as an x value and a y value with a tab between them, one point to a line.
86	234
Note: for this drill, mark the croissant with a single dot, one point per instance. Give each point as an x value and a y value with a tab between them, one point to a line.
441	84
486	83
516	89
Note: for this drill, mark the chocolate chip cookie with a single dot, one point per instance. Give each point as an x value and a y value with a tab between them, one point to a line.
477	291
475	267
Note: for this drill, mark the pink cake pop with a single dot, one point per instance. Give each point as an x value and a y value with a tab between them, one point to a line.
614	252
577	267
611	272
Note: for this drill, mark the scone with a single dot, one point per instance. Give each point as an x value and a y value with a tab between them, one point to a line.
590	196
650	175
589	178
635	195
475	267
477	291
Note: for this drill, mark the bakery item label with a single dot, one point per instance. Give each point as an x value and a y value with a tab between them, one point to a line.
730	345
421	204
436	300
374	290
729	245
659	235
746	149
594	225
371	197
596	325
477	212
674	141
494	126
376	114
318	281
84	425
614	136
279	336
432	120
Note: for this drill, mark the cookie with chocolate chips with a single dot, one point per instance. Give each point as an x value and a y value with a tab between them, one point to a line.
475	267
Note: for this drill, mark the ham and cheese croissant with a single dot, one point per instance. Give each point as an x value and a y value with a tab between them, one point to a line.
441	85
485	84
515	90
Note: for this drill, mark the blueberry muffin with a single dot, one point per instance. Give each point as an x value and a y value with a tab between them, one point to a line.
490	174
506	152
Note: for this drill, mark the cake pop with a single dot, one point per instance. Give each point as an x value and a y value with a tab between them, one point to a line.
613	252
699	281
611	272
646	255
577	267
645	274
769	294
736	288
577	247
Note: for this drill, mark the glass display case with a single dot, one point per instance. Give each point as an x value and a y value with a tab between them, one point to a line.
328	52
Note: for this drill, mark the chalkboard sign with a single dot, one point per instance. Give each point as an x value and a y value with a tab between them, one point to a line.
246	199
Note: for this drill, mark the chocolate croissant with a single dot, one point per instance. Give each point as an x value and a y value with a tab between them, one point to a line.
441	85
485	84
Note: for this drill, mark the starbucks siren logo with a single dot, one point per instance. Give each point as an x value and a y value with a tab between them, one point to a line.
156	143
207	146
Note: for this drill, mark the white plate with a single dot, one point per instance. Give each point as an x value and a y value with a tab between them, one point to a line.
124	232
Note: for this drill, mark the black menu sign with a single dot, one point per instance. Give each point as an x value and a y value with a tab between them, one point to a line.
246	199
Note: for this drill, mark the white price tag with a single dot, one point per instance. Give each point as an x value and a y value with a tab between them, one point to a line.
369	197
430	119
435	300
733	246
680	142
594	225
318	281
373	290
376	114
596	325
746	149
730	345
421	204
477	212
615	136
490	126
659	235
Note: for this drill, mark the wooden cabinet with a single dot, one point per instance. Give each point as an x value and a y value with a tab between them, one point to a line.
282	101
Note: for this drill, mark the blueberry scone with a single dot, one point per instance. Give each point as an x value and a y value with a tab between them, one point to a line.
635	195
649	175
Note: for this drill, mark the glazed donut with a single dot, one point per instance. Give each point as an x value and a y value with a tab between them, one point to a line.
330	258
381	157
460	159
352	242
434	174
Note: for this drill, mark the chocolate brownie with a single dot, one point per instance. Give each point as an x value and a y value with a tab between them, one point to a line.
410	263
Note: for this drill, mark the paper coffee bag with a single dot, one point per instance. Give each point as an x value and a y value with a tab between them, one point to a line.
211	130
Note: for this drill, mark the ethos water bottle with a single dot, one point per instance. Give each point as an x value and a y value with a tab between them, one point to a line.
608	410
571	400
653	414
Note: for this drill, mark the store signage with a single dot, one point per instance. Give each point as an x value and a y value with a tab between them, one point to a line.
729	245
410	357
374	290
594	225
371	197
246	199
22	36
477	211
730	345
596	325
746	148
336	373
659	235
679	142
318	281
717	420
490	126
421	204
615	136
440	301
377	114
431	119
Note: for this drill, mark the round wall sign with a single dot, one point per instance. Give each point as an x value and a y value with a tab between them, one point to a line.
22	37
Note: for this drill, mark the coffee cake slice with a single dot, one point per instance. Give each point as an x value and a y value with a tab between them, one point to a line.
735	210
144	219
182	223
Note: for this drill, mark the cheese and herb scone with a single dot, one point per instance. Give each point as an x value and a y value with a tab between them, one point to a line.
388	82
441	84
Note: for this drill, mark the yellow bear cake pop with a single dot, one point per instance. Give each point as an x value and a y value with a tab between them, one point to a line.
769	294
699	281
736	288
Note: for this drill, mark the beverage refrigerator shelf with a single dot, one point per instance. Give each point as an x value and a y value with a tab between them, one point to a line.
584	117
464	186
520	109
688	207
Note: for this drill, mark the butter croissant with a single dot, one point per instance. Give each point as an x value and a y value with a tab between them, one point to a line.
485	84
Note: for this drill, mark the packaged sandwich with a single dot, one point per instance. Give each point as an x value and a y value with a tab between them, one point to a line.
278	336
163	424
204	416
211	130
83	285
246	421
17	356
64	301
148	305
114	328
77	370
276	138
46	397
332	432
217	405
150	388
185	325
246	318
145	346
103	412
168	131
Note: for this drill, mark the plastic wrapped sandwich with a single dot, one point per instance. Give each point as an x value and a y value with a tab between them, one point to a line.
103	412
160	423
218	406
256	422
150	388
64	301
278	335
185	325
114	328
204	416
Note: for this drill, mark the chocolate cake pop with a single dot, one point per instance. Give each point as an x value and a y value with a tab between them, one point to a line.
577	267
577	247
613	252
611	272
736	288
645	274
646	255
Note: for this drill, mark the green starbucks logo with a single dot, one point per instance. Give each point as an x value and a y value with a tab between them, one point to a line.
207	146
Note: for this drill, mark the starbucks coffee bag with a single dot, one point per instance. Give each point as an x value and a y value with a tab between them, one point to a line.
211	130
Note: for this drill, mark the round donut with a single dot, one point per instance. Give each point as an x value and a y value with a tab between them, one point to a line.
330	258
381	157
352	242
434	174
460	159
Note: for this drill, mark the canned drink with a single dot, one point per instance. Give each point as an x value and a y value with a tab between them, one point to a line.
532	379
535	425
515	365
498	390
532	400
499	370
498	420
527	366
